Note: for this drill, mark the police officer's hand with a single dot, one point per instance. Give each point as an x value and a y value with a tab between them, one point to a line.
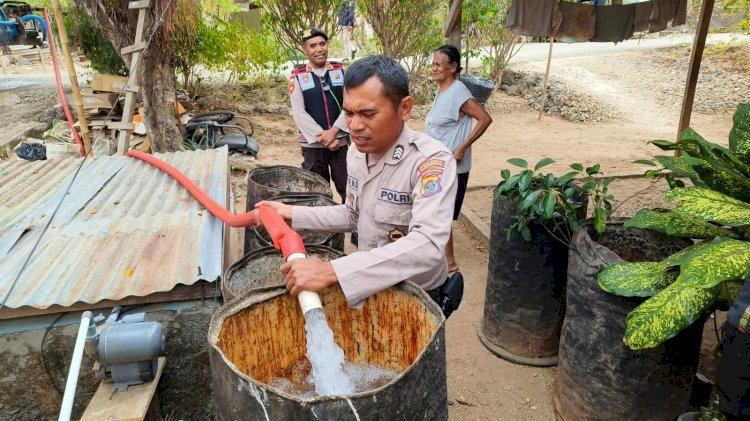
284	210
310	274
334	146
326	137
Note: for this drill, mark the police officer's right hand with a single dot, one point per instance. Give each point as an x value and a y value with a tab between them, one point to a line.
284	210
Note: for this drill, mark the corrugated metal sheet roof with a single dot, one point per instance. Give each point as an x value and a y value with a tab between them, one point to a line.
124	229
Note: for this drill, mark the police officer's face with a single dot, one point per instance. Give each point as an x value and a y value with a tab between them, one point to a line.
374	123
316	50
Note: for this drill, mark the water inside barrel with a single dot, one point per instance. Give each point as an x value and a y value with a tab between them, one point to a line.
298	382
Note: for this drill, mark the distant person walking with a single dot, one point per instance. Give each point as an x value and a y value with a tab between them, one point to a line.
347	11
316	91
450	121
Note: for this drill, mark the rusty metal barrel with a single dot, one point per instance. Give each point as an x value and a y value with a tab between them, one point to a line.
262	333
264	183
257	237
260	268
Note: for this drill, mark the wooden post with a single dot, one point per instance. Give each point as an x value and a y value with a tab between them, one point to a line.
123	138
452	27
59	19
546	76
699	43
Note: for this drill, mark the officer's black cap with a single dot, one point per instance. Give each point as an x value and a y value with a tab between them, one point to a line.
312	33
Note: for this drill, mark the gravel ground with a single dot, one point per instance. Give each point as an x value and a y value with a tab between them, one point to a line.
561	100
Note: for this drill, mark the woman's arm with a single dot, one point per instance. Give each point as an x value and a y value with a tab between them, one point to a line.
475	111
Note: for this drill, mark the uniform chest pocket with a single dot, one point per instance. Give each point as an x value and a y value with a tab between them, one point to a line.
393	215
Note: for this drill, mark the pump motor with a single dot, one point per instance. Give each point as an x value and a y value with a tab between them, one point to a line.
126	351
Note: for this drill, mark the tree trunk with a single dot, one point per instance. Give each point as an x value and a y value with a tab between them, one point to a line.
156	75
158	88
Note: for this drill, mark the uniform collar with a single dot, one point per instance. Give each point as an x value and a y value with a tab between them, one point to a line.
390	156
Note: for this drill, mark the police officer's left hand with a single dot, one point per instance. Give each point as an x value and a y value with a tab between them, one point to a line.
326	137
310	274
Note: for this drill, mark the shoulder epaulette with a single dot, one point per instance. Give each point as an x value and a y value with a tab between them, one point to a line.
299	69
336	65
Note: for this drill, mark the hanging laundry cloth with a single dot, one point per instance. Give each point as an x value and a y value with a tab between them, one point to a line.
578	22
531	17
614	23
680	13
661	13
642	16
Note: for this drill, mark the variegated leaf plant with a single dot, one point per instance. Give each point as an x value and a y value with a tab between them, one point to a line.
715	211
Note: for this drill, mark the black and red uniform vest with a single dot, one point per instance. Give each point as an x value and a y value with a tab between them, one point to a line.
324	96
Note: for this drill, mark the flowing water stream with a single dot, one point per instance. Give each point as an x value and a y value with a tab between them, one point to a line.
325	371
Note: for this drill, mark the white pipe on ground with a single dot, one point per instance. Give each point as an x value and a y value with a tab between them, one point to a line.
308	300
75	367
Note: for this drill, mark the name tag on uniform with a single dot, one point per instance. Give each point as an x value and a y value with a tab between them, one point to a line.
305	81
337	77
352	182
394	196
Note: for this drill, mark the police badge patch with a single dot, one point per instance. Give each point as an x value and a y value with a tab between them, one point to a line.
305	81
432	173
337	77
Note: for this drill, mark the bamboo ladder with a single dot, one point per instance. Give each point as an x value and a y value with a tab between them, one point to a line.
131	89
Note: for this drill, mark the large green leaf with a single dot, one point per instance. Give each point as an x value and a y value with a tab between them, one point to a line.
641	279
675	224
685	254
680	166
710	205
727	260
739	137
666	314
695	145
722	181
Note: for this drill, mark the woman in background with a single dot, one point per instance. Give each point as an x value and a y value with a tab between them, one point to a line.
450	121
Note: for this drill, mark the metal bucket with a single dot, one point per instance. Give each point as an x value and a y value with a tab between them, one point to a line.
257	237
260	269
262	333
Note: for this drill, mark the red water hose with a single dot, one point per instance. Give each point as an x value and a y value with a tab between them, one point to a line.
284	238
60	92
246	219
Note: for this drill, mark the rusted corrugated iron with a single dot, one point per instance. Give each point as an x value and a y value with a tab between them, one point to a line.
124	229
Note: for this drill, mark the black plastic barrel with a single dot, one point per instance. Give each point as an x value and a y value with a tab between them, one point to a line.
525	295
599	377
263	333
257	237
260	268
480	87
263	183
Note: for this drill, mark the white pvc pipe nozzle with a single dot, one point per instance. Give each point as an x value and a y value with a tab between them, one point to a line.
308	300
75	367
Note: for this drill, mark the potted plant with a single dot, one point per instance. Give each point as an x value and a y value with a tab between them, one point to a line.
669	295
534	216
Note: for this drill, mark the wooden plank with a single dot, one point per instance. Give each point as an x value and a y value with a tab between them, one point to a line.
178	293
140	46
121	125
699	44
139	4
132	405
108	83
454	15
123	138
